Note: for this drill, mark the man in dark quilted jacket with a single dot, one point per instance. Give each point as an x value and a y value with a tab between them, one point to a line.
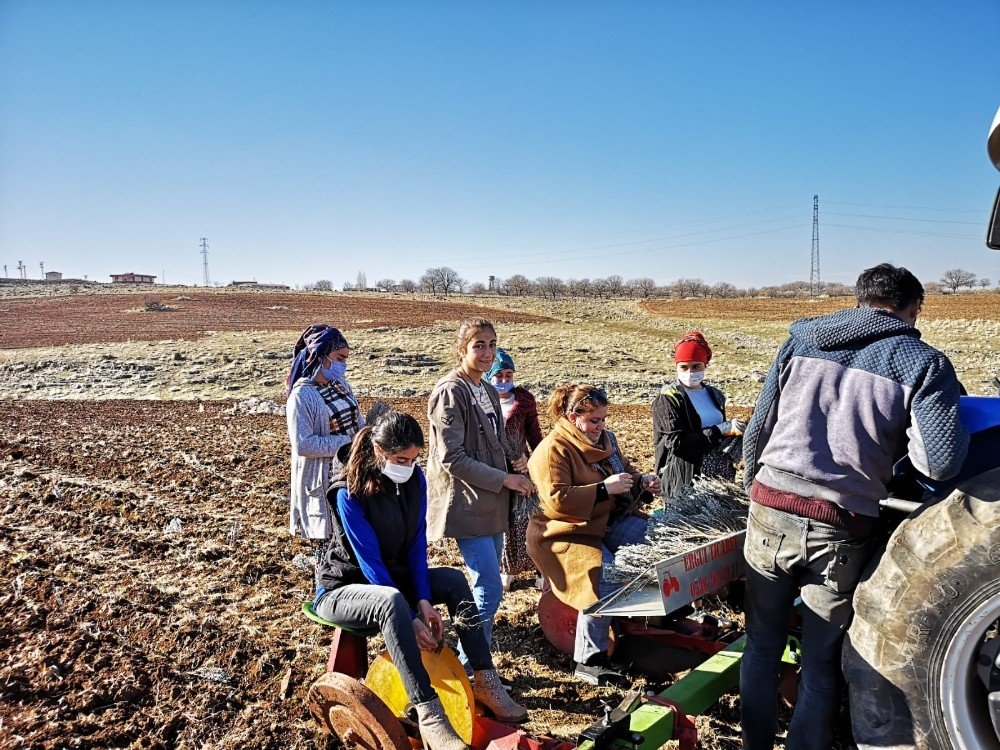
849	394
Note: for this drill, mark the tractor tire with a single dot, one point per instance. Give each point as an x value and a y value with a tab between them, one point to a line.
921	616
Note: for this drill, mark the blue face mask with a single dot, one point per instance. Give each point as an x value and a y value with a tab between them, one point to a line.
504	387
335	371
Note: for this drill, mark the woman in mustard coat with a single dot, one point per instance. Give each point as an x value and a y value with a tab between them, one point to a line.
587	493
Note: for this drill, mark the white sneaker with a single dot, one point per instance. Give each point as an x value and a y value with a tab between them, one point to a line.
505	581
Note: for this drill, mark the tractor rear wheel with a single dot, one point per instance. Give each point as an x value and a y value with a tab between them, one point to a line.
925	619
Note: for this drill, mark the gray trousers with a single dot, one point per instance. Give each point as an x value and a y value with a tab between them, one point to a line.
788	554
593	632
360	605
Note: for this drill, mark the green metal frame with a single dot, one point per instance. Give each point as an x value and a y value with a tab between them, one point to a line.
695	693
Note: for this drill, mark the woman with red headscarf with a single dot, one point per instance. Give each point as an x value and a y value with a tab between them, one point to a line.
689	421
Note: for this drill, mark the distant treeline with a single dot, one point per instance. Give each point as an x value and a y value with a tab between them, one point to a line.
446	281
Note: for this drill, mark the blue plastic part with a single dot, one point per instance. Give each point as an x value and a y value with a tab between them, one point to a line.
979	413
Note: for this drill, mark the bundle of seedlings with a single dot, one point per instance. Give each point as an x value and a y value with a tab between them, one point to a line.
701	513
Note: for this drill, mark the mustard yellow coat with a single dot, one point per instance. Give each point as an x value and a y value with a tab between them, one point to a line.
565	534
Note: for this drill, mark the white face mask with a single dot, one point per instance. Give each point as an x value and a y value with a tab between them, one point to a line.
691	379
398	474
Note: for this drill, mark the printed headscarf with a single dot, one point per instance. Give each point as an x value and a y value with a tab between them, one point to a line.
502	362
316	342
693	348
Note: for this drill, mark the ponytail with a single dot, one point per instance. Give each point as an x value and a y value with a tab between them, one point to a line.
393	432
363	472
558	402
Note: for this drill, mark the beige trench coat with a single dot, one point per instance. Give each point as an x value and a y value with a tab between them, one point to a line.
466	465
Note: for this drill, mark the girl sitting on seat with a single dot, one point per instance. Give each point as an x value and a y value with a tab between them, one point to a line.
375	573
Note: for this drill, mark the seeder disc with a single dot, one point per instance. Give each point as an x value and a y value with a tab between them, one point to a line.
346	708
448	679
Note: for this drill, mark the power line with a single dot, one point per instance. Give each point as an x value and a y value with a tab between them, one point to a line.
906	231
905	208
905	218
605	256
604	246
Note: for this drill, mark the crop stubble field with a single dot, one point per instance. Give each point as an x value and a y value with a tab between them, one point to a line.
118	633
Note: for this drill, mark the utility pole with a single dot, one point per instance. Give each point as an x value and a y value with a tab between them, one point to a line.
204	255
41	265
20	269
5	270
815	288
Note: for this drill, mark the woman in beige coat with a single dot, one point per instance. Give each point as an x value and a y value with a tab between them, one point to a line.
587	491
468	479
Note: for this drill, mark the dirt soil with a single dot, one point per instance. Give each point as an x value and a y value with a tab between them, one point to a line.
147	583
151	600
84	319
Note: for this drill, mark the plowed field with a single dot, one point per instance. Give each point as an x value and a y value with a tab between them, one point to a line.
120	632
979	305
85	319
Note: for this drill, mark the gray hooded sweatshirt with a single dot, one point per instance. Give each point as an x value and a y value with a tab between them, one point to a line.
849	394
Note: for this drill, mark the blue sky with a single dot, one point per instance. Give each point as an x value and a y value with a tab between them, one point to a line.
665	139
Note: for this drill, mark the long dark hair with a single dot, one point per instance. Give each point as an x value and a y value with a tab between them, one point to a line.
393	432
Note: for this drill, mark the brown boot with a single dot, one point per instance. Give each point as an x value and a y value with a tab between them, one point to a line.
489	691
436	731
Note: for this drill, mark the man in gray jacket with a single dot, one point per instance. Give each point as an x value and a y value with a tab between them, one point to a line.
848	395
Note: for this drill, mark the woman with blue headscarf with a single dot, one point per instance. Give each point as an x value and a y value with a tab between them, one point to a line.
323	416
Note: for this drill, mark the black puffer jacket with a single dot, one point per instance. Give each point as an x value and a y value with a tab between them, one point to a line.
397	520
679	441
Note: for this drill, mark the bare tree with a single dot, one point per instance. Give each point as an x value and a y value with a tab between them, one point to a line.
954	278
429	282
361	282
644	286
447	279
348	286
323	285
550	286
615	285
599	288
984	283
578	287
690	288
408	285
724	290
932	287
477	287
385	284
518	285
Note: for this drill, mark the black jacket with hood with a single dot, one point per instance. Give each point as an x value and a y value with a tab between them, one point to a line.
679	441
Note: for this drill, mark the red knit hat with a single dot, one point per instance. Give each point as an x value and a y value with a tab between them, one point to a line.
693	348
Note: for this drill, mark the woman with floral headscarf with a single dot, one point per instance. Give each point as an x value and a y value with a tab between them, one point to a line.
323	416
689	421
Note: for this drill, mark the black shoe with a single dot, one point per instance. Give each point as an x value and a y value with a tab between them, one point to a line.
597	671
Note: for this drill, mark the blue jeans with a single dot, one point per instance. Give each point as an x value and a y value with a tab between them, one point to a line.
363	605
593	631
784	553
482	555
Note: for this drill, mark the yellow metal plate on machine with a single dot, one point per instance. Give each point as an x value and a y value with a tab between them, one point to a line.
448	679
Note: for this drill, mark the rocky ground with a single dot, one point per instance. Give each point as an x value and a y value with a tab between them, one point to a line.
149	589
